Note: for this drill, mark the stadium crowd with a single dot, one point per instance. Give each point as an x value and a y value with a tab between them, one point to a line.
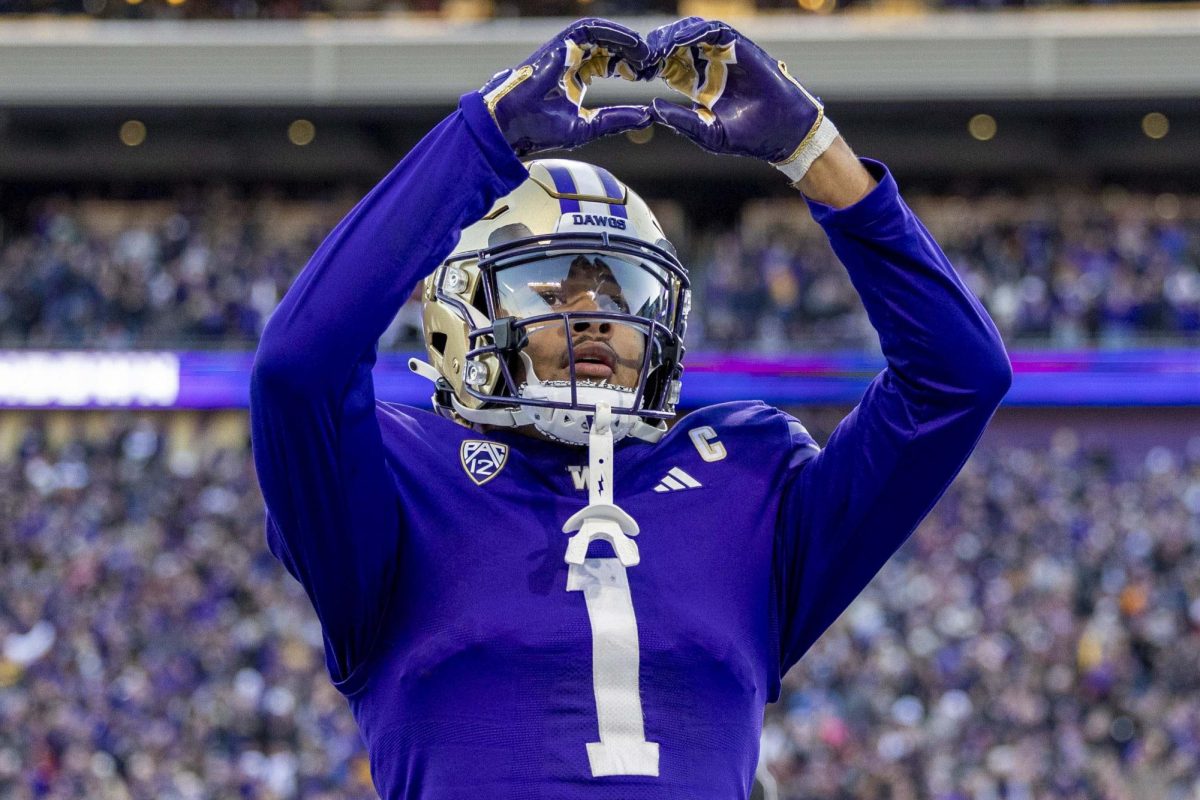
1069	269
1036	639
207	268
151	647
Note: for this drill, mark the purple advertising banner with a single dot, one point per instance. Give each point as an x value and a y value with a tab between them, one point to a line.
218	379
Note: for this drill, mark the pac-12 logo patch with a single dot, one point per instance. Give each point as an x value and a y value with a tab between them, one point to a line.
483	460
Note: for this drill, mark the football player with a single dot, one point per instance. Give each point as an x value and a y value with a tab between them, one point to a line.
539	591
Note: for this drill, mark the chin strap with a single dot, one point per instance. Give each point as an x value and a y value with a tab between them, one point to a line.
601	518
509	417
518	417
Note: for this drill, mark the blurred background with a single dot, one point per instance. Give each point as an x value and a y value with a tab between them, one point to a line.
167	166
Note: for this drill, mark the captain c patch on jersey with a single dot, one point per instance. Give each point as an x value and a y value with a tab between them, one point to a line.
483	460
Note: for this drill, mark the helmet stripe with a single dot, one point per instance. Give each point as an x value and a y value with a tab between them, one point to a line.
590	182
612	189
563	184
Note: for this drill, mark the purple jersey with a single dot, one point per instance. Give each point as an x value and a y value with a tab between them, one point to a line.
476	662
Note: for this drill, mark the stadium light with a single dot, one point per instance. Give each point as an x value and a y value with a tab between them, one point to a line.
982	127
1155	125
132	133
301	132
642	136
818	6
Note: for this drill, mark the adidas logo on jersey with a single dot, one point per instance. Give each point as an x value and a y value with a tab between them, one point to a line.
677	480
674	481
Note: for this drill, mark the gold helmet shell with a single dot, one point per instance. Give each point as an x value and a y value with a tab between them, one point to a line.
565	205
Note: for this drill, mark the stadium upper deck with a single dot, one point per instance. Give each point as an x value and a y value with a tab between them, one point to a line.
1068	90
298	9
413	60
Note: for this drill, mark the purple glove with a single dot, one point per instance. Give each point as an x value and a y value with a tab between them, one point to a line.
539	105
744	102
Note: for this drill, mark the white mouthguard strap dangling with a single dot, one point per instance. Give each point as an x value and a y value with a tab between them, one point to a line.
601	518
600	457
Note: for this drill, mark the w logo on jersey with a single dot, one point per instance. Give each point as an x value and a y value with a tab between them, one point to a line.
483	460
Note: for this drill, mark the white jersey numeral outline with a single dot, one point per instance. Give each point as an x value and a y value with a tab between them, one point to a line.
616	659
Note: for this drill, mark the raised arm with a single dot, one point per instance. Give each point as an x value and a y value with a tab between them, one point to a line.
333	518
893	456
847	509
333	515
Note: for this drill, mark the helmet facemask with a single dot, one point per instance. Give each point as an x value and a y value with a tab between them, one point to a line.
576	319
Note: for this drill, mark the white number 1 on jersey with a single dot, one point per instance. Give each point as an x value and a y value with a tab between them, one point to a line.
622	749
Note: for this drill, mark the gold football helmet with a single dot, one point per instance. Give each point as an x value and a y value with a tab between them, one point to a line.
571	276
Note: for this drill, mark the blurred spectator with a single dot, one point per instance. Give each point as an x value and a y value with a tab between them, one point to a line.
151	647
203	269
1035	639
207	268
1066	269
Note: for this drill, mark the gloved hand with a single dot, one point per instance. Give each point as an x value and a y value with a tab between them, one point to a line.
744	102
539	104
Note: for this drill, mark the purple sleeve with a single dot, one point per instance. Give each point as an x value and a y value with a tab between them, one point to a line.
333	515
849	508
